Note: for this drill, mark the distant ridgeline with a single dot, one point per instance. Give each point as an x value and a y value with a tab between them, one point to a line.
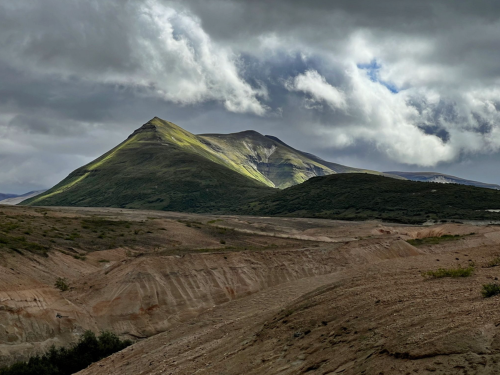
164	167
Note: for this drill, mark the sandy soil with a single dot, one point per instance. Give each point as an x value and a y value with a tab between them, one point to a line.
212	294
376	318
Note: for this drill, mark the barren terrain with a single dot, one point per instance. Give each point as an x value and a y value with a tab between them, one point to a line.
212	294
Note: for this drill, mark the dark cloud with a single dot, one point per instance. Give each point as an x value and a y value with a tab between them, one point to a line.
78	77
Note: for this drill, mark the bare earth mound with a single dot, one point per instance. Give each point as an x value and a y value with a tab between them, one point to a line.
227	295
378	318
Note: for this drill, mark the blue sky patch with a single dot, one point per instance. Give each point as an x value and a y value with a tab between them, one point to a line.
372	71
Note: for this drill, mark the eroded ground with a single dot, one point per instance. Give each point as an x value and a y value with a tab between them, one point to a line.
229	295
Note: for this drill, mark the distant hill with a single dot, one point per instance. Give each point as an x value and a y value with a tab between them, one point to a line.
364	196
441	178
6	196
20	198
160	166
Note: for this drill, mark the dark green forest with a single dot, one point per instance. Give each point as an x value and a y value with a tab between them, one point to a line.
67	361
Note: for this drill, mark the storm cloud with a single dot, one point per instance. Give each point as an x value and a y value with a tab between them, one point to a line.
386	85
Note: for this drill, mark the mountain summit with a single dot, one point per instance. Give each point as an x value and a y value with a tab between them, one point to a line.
163	166
159	166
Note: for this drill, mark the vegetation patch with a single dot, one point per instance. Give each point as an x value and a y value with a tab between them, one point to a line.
67	361
358	196
61	284
493	263
490	290
17	243
434	240
450	272
25	233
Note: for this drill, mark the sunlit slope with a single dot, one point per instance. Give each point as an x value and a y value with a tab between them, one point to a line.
160	166
277	162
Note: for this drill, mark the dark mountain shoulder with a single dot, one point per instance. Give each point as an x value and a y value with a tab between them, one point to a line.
365	196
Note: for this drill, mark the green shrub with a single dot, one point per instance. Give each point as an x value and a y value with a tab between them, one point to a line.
433	240
490	290
450	272
61	284
493	263
66	361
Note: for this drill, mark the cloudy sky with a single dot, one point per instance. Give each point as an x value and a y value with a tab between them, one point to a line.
386	85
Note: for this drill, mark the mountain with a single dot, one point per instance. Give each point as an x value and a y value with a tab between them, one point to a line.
160	166
20	198
6	196
441	178
270	160
363	196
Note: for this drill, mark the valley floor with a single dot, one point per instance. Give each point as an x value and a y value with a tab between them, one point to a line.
227	295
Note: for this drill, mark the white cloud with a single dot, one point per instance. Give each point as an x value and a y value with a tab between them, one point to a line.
148	44
180	60
312	83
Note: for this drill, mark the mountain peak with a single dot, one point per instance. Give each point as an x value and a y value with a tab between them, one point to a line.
154	125
248	133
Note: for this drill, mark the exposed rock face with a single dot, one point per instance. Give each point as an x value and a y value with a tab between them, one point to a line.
137	297
145	296
29	303
209	293
378	317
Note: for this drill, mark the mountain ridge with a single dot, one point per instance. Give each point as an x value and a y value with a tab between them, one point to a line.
441	178
7	196
163	166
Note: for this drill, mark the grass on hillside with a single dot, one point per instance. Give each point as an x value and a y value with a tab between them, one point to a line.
152	171
435	240
366	197
490	290
493	263
450	272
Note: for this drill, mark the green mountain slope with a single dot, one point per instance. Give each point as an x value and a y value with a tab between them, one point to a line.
160	166
279	165
364	196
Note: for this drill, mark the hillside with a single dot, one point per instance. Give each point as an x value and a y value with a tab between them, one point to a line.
364	196
6	196
160	166
164	167
271	160
441	178
16	199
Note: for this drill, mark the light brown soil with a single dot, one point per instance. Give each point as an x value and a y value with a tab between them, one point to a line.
378	318
280	296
